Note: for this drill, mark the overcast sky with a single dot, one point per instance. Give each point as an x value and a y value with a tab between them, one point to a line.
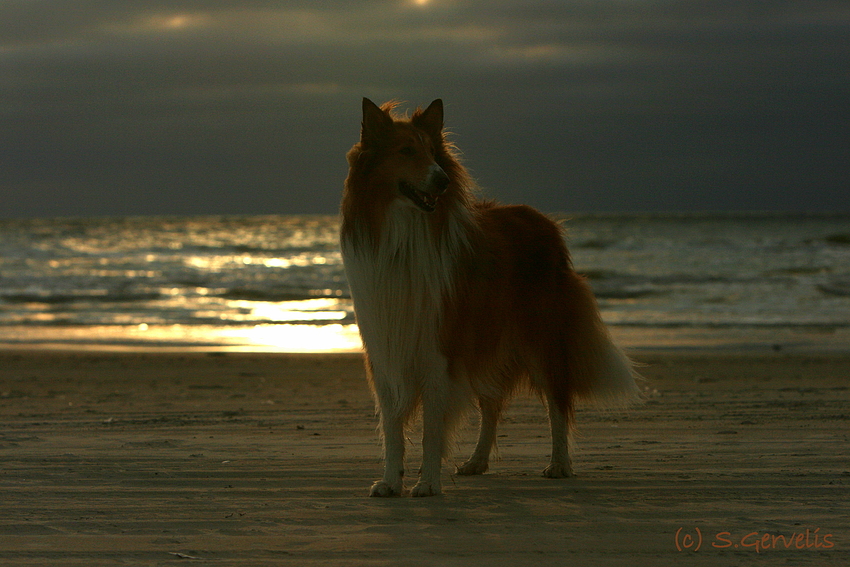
118	107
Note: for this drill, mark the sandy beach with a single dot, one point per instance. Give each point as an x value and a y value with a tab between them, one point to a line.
266	459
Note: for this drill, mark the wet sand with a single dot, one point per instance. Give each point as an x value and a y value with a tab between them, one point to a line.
266	459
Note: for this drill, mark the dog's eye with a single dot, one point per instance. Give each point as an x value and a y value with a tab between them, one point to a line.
407	151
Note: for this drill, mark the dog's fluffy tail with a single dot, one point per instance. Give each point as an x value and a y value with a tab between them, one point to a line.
616	382
602	374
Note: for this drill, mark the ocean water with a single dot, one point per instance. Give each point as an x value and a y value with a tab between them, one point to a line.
276	283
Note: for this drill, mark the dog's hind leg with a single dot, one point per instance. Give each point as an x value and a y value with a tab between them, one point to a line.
559	466
479	462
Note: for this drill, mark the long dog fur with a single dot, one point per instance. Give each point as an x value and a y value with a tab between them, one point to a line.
462	301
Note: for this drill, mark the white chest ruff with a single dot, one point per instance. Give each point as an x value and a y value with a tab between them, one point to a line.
399	288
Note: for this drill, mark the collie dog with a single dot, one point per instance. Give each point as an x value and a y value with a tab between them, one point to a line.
461	301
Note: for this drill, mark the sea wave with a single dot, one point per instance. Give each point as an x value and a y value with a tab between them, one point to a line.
89	296
288	294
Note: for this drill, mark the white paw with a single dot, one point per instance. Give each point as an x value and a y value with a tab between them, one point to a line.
471	467
558	470
383	489
425	489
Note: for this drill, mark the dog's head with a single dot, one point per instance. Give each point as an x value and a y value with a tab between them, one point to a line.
403	156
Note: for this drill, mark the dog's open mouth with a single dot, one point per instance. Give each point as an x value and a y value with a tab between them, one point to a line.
425	201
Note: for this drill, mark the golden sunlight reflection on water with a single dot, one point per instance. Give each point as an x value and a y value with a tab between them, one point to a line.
259	338
320	309
297	338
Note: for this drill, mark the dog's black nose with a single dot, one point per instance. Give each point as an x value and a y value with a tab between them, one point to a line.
440	181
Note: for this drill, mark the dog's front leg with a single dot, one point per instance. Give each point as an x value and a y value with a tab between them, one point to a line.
433	442
392	428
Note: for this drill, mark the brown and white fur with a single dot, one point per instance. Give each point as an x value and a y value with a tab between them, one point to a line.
461	301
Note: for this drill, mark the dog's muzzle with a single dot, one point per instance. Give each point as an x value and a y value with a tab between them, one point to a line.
425	198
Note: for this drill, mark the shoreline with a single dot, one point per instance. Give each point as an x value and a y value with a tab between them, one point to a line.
266	459
283	339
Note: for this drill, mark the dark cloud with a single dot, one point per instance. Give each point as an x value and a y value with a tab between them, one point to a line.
117	107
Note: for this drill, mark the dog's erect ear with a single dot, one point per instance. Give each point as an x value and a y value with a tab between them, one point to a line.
431	119
376	122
